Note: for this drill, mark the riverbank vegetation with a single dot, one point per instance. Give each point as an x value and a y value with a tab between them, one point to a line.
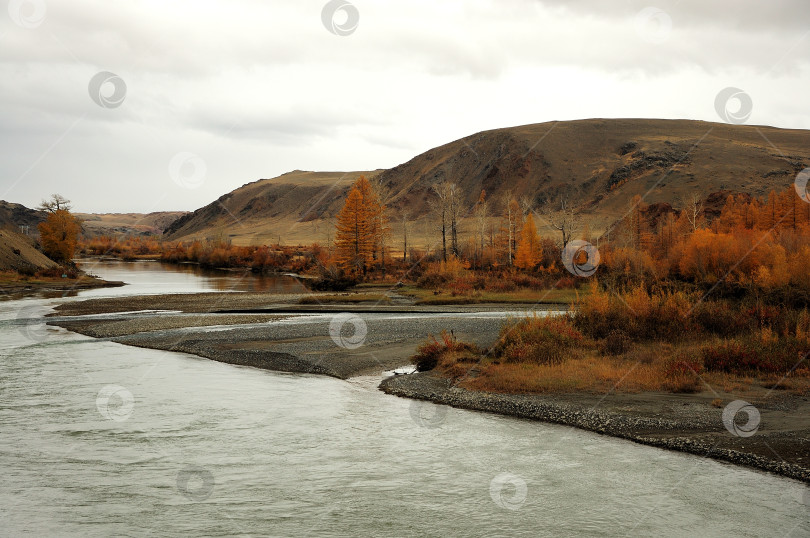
712	293
638	341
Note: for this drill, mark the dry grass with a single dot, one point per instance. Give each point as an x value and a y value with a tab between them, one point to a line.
646	367
648	342
590	374
524	296
351	298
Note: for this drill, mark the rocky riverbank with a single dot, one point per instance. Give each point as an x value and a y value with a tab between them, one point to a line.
687	423
267	331
14	285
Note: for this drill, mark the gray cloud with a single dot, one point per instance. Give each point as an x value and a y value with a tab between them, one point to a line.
257	88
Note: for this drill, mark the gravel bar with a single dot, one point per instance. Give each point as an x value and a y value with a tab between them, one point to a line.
676	422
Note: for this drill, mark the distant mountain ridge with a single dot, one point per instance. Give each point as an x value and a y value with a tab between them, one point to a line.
118	224
16	217
598	165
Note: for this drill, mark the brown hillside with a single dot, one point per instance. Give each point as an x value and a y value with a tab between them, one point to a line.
117	224
17	253
598	165
15	215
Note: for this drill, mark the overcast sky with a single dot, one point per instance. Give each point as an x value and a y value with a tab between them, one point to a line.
196	98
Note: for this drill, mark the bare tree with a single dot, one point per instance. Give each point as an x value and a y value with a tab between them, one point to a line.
481	210
447	207
380	224
404	235
455	215
564	219
440	207
56	203
693	206
513	215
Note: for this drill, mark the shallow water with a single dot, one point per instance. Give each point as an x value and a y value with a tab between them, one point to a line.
101	439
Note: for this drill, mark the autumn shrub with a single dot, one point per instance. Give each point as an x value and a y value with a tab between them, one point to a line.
439	273
68	271
626	265
683	363
639	315
722	318
523	280
445	352
672	315
687	384
802	326
125	247
616	342
539	340
499	285
459	286
567	281
756	353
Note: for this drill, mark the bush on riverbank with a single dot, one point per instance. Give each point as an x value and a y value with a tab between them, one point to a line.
764	352
451	357
642	341
539	340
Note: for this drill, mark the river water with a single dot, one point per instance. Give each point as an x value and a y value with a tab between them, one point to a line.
100	439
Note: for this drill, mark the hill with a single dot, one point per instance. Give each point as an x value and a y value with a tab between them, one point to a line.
17	253
117	224
597	165
16	215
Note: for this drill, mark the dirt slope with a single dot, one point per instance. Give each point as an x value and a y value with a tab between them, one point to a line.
17	253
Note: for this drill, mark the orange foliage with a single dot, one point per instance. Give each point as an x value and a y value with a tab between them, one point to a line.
361	229
529	250
58	235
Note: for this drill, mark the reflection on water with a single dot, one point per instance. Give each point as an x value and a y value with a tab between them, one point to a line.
152	277
146	277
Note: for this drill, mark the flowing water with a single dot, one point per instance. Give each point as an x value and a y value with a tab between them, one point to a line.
100	439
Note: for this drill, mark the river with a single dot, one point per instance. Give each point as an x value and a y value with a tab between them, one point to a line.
101	439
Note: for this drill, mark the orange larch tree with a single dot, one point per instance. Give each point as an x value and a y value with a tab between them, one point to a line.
529	251
361	228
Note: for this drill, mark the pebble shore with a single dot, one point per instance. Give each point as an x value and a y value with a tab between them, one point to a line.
694	429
